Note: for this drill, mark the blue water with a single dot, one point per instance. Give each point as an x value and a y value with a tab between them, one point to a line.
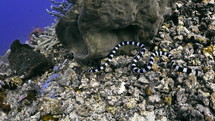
19	17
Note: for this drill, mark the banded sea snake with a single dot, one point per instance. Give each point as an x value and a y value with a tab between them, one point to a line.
140	54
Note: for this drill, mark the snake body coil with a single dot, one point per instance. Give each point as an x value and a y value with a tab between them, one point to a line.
139	55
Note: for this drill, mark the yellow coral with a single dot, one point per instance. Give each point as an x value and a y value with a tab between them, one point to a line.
149	90
131	103
206	1
16	80
209	49
48	118
202	39
111	109
168	100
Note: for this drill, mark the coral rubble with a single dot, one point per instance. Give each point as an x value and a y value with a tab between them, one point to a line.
70	92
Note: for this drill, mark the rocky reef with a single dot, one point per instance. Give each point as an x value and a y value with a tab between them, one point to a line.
92	28
26	62
68	92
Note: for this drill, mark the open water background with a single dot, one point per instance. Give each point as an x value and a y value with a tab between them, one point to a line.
19	17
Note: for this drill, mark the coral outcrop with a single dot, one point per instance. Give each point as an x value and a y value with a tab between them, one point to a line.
92	28
24	61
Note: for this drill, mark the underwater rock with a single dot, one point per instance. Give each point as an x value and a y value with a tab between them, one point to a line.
48	105
24	61
92	28
4	107
4	65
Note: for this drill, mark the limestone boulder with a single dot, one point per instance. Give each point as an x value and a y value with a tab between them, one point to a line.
92	28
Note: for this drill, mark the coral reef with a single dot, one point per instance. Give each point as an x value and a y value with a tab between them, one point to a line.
46	40
70	92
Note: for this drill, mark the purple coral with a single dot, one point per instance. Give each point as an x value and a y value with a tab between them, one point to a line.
46	84
52	77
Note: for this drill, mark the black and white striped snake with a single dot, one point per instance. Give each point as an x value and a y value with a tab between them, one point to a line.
140	54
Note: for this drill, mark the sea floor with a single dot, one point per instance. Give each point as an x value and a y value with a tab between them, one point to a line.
68	92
